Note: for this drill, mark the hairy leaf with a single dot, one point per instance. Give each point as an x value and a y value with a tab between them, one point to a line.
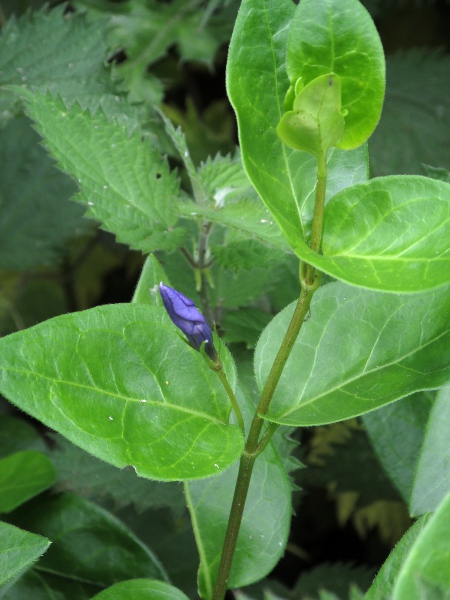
113	380
257	83
18	550
123	181
141	589
432	475
355	354
396	432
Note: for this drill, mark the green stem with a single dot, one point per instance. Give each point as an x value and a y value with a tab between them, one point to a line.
310	281
234	403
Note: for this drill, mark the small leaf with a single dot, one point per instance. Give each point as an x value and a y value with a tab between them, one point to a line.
390	234
428	559
147	290
113	380
355	354
432	474
141	589
18	550
24	475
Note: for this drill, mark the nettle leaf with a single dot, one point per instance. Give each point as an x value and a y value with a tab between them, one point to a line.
432	475
36	218
428	559
64	54
390	234
22	476
113	380
396	432
18	550
257	83
355	354
141	589
89	545
245	254
81	473
224	178
123	181
261	539
339	36
416	113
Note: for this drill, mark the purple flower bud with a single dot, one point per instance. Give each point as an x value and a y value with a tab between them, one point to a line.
188	318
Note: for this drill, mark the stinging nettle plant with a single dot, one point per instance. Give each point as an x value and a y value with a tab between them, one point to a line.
307	84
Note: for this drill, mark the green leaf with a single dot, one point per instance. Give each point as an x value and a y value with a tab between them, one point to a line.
17	434
390	234
336	578
396	432
40	585
113	380
141	589
22	476
123	181
67	57
339	36
147	290
432	475
261	538
36	218
257	83
355	354
18	550
87	476
245	325
89	545
429	558
416	114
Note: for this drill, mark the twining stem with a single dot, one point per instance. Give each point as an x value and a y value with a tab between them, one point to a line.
310	281
234	403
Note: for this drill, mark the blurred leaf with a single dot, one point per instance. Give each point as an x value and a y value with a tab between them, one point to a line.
88	476
432	473
62	54
36	218
396	432
18	550
16	435
337	578
40	585
124	183
245	254
141	589
245	325
416	114
23	475
147	290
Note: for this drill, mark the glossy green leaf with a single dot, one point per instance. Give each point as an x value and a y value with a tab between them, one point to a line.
396	432
390	234
23	475
339	36
18	550
124	182
262	538
89	545
257	83
432	476
147	290
113	380
356	353
383	584
141	589
429	558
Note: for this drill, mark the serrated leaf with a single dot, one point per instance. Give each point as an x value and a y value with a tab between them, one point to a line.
141	589
257	83
63	54
123	181
428	559
390	234
113	380
23	475
432	475
245	254
18	550
87	476
416	113
396	432
224	178
332	375
36	218
261	539
89	545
